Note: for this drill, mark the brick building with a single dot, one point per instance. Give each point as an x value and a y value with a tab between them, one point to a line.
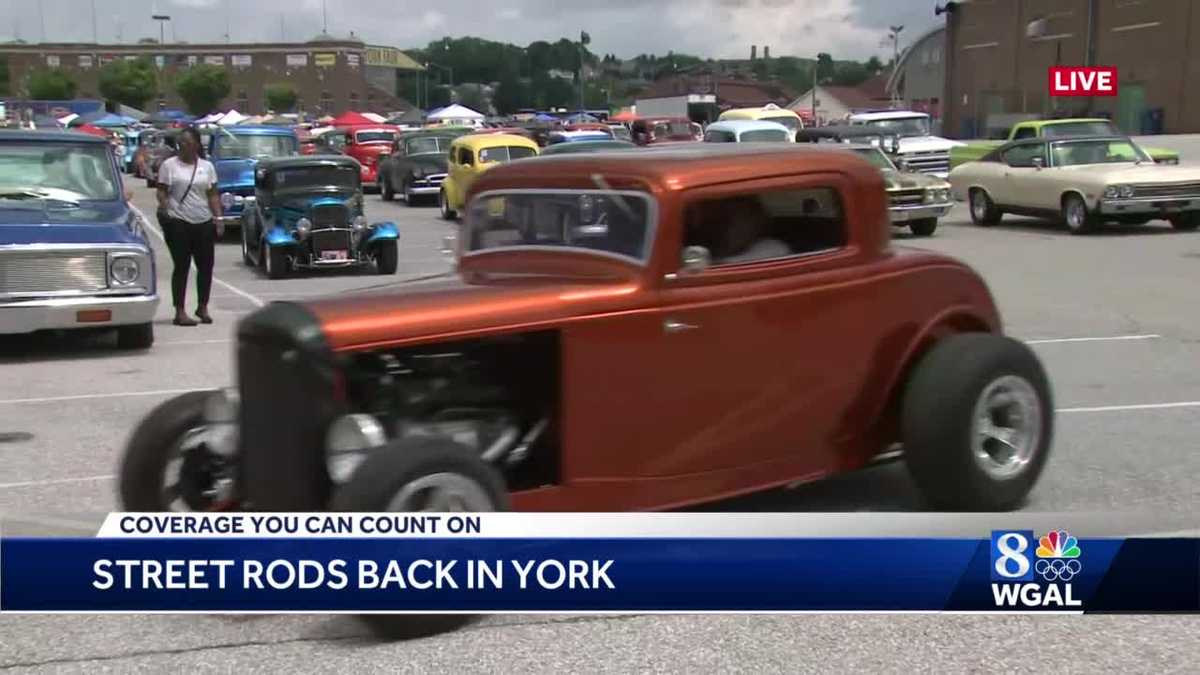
330	74
998	53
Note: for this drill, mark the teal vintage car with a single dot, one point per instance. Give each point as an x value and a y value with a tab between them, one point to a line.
307	213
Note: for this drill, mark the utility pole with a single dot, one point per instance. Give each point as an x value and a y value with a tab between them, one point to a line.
814	90
162	20
95	33
584	40
895	37
324	18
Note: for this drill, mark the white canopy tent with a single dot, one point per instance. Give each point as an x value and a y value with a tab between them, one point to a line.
230	118
457	114
210	118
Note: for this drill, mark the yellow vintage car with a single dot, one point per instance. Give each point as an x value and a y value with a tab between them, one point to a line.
767	113
470	156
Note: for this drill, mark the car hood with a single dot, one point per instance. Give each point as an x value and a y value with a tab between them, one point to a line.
433	162
103	223
304	202
1145	172
235	172
927	144
400	314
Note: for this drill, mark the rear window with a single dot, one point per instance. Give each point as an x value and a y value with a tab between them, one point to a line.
505	153
374	136
671	129
788	121
1071	129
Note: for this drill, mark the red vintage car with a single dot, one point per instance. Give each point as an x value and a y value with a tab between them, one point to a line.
369	144
627	332
660	130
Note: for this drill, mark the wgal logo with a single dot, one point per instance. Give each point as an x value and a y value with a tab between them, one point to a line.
1056	559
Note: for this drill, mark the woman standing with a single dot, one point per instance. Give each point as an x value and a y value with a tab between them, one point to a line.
187	211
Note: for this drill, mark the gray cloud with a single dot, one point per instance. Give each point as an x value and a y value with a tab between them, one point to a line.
717	28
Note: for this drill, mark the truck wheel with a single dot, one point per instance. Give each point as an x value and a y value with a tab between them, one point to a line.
276	261
1186	222
421	475
136	336
924	227
444	205
387	258
155	456
386	193
983	210
1075	214
977	423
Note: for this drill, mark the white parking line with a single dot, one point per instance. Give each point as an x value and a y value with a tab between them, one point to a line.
1136	406
224	284
83	397
1114	338
57	481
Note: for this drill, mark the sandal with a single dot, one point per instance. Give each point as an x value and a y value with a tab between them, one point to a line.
204	317
183	321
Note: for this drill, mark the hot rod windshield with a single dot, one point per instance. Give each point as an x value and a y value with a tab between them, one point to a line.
607	222
336	177
247	146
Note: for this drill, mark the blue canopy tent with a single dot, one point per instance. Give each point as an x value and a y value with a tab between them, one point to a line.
168	116
113	120
581	118
543	117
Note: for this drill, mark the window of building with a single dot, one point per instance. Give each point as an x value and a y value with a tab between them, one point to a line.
52	60
767	225
243	101
326	102
354	100
85	61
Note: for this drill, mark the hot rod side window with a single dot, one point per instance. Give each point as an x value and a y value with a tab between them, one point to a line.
766	225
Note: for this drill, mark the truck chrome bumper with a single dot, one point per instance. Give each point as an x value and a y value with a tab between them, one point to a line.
26	316
901	214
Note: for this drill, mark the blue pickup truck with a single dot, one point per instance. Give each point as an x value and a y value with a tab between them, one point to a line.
235	151
73	253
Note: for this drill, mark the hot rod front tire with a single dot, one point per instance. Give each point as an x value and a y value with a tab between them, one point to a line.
386	193
276	261
387	258
977	423
391	478
144	464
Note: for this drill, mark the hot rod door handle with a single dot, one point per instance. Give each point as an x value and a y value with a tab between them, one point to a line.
673	326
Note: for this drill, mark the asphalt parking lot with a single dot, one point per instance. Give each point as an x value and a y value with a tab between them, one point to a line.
1113	316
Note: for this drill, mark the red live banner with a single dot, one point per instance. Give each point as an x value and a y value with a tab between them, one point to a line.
1082	80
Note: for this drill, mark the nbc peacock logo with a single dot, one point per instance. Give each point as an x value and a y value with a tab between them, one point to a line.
1058	556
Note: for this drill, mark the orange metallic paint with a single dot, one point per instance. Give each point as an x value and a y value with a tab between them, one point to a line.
789	370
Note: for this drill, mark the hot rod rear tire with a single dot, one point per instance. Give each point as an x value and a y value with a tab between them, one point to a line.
146	455
388	257
977	423
381	482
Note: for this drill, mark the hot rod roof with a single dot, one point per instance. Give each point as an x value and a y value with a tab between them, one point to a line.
307	160
677	167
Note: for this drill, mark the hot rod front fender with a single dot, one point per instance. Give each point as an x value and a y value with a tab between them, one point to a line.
382	232
277	236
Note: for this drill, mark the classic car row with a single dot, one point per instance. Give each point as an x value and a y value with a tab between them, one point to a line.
629	331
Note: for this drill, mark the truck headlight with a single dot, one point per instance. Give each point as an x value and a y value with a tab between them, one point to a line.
347	443
227	199
1110	192
303	227
359	223
124	270
1125	191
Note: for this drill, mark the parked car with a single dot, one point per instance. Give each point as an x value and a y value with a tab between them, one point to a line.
165	145
1053	128
559	137
601	127
587	146
73	254
620	132
470	156
417	165
235	151
922	150
768	113
599	353
368	144
747	131
659	130
307	213
1083	181
130	139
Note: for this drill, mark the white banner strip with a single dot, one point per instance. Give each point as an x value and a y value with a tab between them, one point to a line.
613	525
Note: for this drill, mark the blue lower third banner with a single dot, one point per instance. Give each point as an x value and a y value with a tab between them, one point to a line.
1011	570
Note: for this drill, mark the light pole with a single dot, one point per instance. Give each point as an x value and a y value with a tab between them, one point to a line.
895	36
584	40
162	20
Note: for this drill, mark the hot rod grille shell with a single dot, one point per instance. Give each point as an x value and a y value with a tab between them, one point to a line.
330	240
329	215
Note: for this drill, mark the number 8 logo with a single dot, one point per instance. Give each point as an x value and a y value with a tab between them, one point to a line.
1012	555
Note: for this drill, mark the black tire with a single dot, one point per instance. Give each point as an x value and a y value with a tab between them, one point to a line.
247	260
409	198
939	422
444	206
983	210
388	257
386	193
1076	216
136	336
1185	222
275	260
378	479
148	450
925	227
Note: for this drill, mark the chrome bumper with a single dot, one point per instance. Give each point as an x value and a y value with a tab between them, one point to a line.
1116	207
230	220
901	214
26	316
424	189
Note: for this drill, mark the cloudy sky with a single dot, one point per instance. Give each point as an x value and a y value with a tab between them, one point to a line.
717	28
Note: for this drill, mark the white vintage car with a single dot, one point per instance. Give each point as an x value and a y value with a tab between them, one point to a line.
1082	181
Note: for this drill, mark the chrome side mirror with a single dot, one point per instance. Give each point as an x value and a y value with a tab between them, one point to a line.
1038	163
695	259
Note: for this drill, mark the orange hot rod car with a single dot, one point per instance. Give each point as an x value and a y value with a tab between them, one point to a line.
629	331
